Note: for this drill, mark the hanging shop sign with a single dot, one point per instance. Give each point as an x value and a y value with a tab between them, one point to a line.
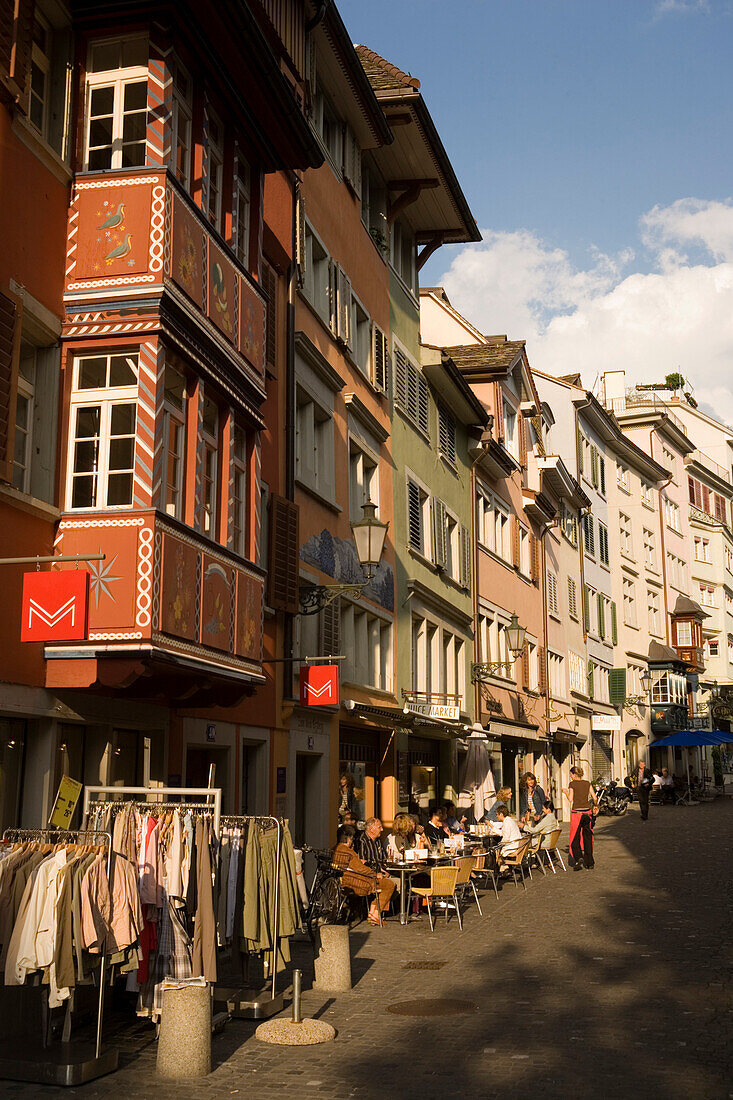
605	722
319	686
65	804
55	606
434	710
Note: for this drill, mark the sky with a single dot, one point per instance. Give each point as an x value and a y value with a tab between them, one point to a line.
593	141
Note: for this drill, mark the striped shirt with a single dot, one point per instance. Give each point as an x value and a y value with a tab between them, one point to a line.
371	852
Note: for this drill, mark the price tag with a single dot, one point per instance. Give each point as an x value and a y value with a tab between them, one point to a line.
65	804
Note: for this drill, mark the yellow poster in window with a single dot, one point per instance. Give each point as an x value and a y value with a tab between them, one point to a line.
65	804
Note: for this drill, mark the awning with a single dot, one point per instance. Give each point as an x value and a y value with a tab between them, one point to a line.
399	719
567	737
518	731
691	738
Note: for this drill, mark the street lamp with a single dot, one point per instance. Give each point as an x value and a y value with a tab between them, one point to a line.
646	687
369	536
515	635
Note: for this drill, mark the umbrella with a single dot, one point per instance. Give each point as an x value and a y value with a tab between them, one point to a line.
689	739
477	787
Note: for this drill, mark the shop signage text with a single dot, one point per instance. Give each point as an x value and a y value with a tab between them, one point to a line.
433	710
319	686
605	722
55	606
65	804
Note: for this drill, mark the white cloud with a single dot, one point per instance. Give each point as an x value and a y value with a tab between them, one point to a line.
676	7
679	315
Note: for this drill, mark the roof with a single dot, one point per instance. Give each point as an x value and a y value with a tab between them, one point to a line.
659	652
686	606
342	53
499	356
383	75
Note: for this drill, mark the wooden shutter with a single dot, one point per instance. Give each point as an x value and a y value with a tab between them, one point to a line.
594	466
400	378
534	558
614	623
617	686
446	434
269	285
542	669
525	667
465	557
602	472
439	533
352	161
343	305
706	500
414	517
601	616
692	487
586	607
330	629
20	57
423	405
310	70
720	507
572	598
300	260
7	26
581	457
591	669
11	314
380	360
283	555
521	429
515	542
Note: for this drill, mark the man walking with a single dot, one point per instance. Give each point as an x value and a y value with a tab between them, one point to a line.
644	784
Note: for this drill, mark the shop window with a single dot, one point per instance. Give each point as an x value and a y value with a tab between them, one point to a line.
12	749
117	97
103	417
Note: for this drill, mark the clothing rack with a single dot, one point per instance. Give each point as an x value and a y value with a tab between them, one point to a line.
155	799
249	1003
73	1071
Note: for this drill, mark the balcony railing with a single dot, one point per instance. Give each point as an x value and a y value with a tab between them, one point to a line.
707	463
639	398
163	588
136	233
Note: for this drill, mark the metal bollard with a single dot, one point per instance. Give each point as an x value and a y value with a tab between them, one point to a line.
297	979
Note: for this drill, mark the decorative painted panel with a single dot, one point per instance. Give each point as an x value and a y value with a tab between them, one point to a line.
249	616
188	251
252	327
178	589
223	292
216	604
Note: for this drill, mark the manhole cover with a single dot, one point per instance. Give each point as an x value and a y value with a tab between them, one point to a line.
440	1007
423	965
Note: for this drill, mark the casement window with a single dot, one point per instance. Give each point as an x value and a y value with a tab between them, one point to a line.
360	334
493	642
363	480
418	518
647	495
453	667
374	207
117	104
411	390
181	124
719	506
24	416
451	545
493	527
239	490
713	646
531	667
683	633
728	558
576	668
676	571
446	435
650	552
653	609
174	429
402	254
511	437
241	220
210	432
366	639
425	671
707	595
589	537
556	670
603	543
524	551
625	535
314	444
670	461
669	687
215	171
329	127
672	515
572	599
102	434
622	476
553	605
629	597
570	524
598	682
317	280
702	549
40	75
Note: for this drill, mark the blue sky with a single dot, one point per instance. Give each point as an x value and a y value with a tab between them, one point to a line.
579	129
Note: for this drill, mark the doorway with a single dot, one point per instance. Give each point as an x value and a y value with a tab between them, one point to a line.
308	809
198	760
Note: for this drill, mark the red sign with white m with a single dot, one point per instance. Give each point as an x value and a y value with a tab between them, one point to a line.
55	606
319	686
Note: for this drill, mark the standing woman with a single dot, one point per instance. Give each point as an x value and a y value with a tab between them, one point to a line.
347	799
531	798
583	806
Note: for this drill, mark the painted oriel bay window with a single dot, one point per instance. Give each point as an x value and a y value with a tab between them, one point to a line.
117	102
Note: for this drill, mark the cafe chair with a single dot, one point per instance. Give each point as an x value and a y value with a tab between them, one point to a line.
486	869
355	884
533	853
465	865
515	862
442	886
551	848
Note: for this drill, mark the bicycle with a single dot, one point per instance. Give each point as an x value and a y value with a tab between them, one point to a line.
327	899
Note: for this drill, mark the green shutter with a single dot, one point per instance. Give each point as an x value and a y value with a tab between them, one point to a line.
614	624
617	686
586	607
601	617
591	670
580	451
594	466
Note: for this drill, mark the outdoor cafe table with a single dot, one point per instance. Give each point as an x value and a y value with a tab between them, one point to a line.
404	868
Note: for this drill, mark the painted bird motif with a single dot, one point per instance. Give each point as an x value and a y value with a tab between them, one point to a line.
120	251
114	219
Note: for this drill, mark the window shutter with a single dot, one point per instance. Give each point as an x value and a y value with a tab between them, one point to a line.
525	667
20	57
283	554
414	517
602	471
515	542
330	629
439	547
594	466
343	301
400	378
706	500
614	623
380	356
446	434
11	310
591	669
617	686
465	557
534	558
720	507
310	70
521	429
333	297
581	456
423	406
269	285
601	616
542	669
7	16
572	598
300	234
586	607
352	161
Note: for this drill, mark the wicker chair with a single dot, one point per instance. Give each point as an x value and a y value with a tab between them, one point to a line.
353	887
486	869
533	852
515	862
552	846
442	885
464	882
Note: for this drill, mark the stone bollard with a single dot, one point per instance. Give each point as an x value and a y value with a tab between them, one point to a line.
184	1044
333	962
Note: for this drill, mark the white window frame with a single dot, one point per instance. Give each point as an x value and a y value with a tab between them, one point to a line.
26	391
493	520
702	549
361	626
215	170
629	601
426	549
210	450
315	446
173	414
241	228
362	488
626	535
654	612
42	59
117	79
182	121
239	502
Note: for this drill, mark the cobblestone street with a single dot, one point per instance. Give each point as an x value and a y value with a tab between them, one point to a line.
612	983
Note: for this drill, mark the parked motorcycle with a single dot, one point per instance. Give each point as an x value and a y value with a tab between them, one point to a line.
613	800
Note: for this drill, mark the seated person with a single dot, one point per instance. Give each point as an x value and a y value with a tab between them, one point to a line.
436	829
454	825
668	794
502	799
546	824
359	876
507	828
403	836
372	849
657	779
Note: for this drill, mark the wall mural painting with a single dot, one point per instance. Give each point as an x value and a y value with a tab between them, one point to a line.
252	334
249	617
338	558
114	231
178	589
187	252
222	293
216	604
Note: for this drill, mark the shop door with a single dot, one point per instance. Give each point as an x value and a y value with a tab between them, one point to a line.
509	777
632	755
601	757
198	761
423	790
12	749
308	809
